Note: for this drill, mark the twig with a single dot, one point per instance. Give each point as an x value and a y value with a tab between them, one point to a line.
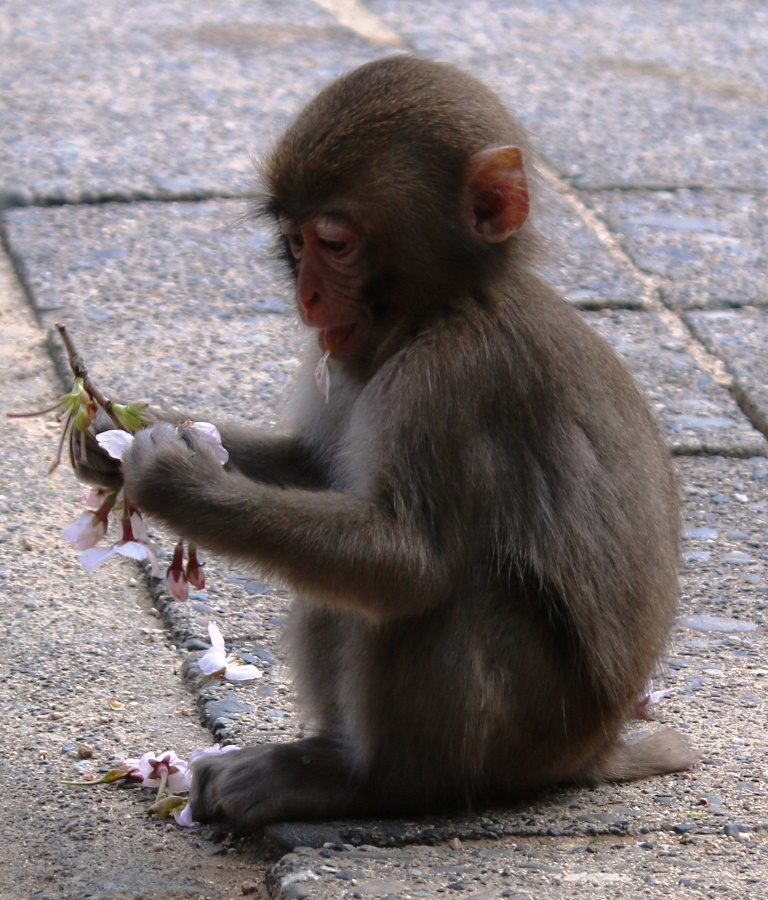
79	371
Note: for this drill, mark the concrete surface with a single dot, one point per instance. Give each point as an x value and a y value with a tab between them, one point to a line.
128	134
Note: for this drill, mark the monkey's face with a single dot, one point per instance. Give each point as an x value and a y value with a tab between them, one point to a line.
328	254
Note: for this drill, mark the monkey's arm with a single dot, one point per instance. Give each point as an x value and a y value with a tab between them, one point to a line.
341	549
270	457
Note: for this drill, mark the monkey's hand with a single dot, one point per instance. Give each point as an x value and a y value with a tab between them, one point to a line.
167	468
92	464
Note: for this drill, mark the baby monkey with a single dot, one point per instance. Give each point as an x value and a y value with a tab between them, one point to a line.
477	514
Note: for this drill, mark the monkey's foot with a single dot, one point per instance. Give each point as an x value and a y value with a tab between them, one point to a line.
300	780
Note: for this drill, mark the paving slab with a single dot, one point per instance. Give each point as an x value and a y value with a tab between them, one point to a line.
651	102
107	100
708	249
648	866
697	415
739	338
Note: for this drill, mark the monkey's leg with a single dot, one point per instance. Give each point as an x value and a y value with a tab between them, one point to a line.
311	778
658	753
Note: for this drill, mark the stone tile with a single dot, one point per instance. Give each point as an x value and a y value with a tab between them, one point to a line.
696	414
577	262
652	102
156	97
739	338
165	300
708	248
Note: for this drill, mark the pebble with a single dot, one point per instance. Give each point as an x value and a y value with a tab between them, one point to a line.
716	623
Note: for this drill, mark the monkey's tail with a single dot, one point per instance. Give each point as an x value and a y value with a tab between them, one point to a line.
658	753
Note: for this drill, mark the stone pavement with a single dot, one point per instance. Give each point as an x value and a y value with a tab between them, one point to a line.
127	133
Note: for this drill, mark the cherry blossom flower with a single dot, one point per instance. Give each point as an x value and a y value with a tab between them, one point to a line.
90	527
165	771
216	664
135	544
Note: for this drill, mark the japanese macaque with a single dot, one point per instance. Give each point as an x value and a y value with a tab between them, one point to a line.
479	520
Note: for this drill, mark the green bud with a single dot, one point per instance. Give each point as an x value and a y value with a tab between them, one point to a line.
166	805
132	416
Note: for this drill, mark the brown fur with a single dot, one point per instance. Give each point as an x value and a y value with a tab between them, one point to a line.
481	525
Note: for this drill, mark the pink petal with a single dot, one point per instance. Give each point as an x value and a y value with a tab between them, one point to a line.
214	750
177	585
85	532
132	549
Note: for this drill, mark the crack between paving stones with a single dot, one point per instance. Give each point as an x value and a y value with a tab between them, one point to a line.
652	301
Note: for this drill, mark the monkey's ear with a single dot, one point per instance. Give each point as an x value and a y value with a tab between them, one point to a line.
497	193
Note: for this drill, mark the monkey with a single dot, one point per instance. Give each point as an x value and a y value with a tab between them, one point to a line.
478	515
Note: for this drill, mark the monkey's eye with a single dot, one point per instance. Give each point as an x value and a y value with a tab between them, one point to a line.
336	237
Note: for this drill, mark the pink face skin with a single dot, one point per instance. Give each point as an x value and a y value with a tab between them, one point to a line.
328	252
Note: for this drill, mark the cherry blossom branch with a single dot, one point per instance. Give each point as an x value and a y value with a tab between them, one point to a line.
77	365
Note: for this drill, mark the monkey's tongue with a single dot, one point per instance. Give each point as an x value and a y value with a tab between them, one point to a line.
332	338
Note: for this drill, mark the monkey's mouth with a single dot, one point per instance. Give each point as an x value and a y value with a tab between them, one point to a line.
333	339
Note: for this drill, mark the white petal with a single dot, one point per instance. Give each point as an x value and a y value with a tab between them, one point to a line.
217	641
242	673
138	528
184	817
323	376
210	434
95	556
132	549
212	661
208	431
115	442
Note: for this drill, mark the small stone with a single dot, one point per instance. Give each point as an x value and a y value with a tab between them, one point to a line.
249	887
454	844
84	751
682	828
56	716
734	829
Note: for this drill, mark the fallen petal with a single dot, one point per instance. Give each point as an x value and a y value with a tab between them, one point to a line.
242	673
184	818
213	662
217	639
